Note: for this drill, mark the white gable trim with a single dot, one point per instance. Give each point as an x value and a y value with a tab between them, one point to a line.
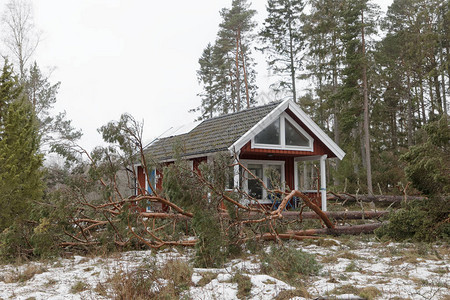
274	114
283	118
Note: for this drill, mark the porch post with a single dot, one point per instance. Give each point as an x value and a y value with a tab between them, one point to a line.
236	174
295	174
323	182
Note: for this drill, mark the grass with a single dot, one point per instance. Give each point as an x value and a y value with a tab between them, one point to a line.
207	277
289	294
289	264
348	255
351	267
150	282
24	275
78	287
244	285
368	293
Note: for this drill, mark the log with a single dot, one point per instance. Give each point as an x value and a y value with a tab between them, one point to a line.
339	215
388	199
339	230
156	215
336	215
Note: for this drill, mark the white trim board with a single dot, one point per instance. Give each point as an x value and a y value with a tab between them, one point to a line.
299	113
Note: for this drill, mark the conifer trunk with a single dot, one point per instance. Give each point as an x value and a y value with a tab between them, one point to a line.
366	111
291	58
409	113
238	80
247	96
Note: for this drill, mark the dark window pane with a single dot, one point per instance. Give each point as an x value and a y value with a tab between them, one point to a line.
270	134
273	174
254	185
295	137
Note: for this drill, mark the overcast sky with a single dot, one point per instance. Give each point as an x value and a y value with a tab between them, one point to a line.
135	56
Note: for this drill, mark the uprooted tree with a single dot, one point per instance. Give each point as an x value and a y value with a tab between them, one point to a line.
198	210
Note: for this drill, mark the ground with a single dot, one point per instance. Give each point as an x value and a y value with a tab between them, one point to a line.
352	268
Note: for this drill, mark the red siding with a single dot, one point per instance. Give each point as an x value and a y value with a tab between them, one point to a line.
140	181
197	161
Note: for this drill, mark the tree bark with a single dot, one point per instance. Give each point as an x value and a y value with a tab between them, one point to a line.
366	110
339	230
376	199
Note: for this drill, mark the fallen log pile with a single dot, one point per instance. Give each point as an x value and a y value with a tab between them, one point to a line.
382	199
336	215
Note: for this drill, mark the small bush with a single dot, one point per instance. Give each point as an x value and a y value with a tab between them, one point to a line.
422	220
289	263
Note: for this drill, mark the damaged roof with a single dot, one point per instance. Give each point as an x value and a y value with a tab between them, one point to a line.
211	135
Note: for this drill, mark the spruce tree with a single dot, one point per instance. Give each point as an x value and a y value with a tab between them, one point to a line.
20	160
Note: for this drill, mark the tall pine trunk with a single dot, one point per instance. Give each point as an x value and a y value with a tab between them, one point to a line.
291	58
238	79
244	69
409	113
366	110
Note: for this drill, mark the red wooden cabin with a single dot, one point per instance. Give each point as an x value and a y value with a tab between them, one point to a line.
277	136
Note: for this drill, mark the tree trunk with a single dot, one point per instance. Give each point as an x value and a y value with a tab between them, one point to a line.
338	230
238	79
291	58
247	96
388	199
409	114
422	100
366	111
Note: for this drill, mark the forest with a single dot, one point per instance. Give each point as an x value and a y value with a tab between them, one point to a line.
376	84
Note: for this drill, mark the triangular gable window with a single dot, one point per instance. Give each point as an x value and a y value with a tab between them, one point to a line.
283	133
294	137
269	135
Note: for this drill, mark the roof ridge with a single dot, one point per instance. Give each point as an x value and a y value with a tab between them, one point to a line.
241	111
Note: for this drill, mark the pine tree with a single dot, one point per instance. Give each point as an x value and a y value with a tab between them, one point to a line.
234	40
283	41
359	22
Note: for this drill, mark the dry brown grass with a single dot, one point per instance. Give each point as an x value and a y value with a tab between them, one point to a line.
150	282
348	255
289	294
207	277
24	275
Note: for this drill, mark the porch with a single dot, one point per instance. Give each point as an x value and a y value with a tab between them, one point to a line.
260	175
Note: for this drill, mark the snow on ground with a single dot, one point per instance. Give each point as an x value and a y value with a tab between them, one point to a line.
350	267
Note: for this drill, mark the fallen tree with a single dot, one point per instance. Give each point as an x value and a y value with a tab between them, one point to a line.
193	202
387	199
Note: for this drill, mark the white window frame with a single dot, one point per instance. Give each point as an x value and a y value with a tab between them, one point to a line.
282	146
265	164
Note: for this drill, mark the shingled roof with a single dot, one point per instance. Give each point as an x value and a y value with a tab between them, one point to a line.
212	135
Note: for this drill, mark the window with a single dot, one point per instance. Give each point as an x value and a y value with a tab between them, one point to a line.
255	188
270	134
294	137
152	179
283	133
270	172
